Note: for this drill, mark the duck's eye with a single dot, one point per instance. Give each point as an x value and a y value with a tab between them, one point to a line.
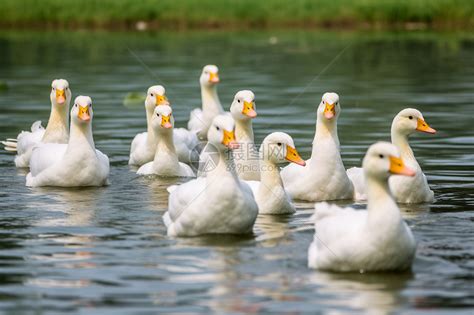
90	105
217	128
381	156
410	117
54	89
151	94
336	103
65	88
75	105
279	144
238	101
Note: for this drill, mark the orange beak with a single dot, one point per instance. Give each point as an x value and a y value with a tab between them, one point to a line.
329	110
398	167
213	77
249	109
60	96
229	140
165	122
424	127
161	100
293	156
84	113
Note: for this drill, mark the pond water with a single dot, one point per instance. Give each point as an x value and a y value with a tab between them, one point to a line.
106	251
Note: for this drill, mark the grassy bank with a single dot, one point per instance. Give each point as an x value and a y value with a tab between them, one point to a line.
155	14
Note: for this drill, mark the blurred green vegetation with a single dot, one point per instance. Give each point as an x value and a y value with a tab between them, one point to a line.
442	14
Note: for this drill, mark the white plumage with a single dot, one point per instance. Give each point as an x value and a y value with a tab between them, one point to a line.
376	239
77	163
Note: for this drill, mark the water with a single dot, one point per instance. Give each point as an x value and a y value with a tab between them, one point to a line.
105	250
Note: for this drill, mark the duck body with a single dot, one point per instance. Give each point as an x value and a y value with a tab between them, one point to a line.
376	239
144	144
269	192
76	164
165	162
404	189
324	176
219	203
57	130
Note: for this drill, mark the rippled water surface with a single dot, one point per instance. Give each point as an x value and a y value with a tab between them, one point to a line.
106	251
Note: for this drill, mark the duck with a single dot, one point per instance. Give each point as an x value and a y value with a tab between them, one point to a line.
143	146
219	203
57	129
324	176
404	189
243	110
201	118
269	192
74	164
166	161
369	240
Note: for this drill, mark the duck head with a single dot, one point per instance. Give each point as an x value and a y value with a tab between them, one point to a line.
329	108
278	147
163	120
382	160
209	76
81	111
155	96
410	120
243	105
60	93
221	133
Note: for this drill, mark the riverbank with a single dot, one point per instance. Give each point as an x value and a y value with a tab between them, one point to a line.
236	14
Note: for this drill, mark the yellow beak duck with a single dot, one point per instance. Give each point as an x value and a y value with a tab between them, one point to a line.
375	239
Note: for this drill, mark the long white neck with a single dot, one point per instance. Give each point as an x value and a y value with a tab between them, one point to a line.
165	150
244	130
81	136
210	100
401	142
151	138
225	166
58	123
380	205
326	132
269	176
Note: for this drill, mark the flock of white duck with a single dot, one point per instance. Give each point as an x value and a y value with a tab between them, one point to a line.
227	197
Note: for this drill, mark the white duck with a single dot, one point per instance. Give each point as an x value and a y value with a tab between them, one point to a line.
404	189
57	130
324	176
246	158
215	204
201	119
74	164
376	239
166	161
143	146
271	197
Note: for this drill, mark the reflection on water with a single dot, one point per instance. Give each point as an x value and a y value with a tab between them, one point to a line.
105	250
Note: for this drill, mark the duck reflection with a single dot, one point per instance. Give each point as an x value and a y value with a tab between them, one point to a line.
273	229
376	293
59	208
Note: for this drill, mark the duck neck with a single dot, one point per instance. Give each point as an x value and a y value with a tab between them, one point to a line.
244	130
269	175
381	205
81	135
165	150
326	131
58	122
151	134
401	142
225	166
210	100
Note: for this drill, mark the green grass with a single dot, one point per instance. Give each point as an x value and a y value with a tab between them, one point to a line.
442	14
